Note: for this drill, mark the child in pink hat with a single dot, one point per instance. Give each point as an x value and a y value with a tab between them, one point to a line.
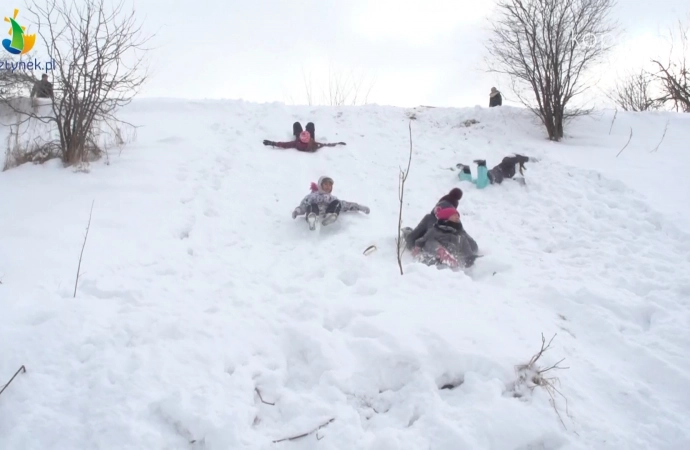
305	140
446	244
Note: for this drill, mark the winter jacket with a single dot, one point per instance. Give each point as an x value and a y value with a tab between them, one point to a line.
446	243
304	147
322	199
495	99
427	222
506	168
42	89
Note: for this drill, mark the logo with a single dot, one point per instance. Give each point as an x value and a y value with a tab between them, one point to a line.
20	43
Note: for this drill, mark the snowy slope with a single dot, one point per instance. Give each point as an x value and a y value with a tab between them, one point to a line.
198	288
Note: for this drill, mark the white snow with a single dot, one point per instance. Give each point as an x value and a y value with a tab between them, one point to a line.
198	288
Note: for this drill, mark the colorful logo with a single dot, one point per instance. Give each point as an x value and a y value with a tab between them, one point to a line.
20	43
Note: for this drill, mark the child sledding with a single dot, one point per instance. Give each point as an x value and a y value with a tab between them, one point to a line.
505	169
305	140
445	244
321	203
440	238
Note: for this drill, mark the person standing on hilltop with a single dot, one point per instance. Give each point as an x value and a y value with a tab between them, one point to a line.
43	88
495	98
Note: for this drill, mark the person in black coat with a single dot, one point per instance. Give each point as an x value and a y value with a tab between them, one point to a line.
495	98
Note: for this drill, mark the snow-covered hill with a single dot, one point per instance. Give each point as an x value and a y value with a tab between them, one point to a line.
199	291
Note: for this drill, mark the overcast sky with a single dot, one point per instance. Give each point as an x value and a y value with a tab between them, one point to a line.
426	52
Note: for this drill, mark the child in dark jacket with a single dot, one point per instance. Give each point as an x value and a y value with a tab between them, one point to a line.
450	200
304	140
321	202
505	169
445	244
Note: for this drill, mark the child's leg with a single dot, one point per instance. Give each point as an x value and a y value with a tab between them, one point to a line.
465	173
296	129
334	207
313	208
332	212
311	130
482	174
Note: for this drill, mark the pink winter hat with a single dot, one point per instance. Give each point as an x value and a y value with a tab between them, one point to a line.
446	213
304	136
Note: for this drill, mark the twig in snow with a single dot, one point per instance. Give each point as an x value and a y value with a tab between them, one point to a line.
307	433
531	376
614	119
21	369
258	392
662	138
631	133
401	192
88	225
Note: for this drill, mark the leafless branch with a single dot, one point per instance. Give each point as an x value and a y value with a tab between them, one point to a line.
626	144
258	392
305	434
21	369
401	192
546	48
612	121
662	138
81	254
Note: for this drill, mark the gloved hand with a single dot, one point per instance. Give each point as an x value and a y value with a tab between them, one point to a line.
342	143
294	214
364	209
269	142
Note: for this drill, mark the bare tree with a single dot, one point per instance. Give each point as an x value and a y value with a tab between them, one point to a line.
94	46
674	73
634	92
342	88
546	48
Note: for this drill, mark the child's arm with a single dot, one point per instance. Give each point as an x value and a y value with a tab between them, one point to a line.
352	206
318	145
291	144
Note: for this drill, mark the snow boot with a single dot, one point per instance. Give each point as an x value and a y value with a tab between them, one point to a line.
465	173
329	219
311	220
482	174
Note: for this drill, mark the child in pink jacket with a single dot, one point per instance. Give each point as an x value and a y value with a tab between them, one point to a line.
321	202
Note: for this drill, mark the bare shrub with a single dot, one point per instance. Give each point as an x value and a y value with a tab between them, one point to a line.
36	150
673	74
97	67
532	375
342	88
546	47
634	92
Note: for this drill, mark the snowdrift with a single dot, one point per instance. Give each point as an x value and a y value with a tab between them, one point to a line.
206	318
